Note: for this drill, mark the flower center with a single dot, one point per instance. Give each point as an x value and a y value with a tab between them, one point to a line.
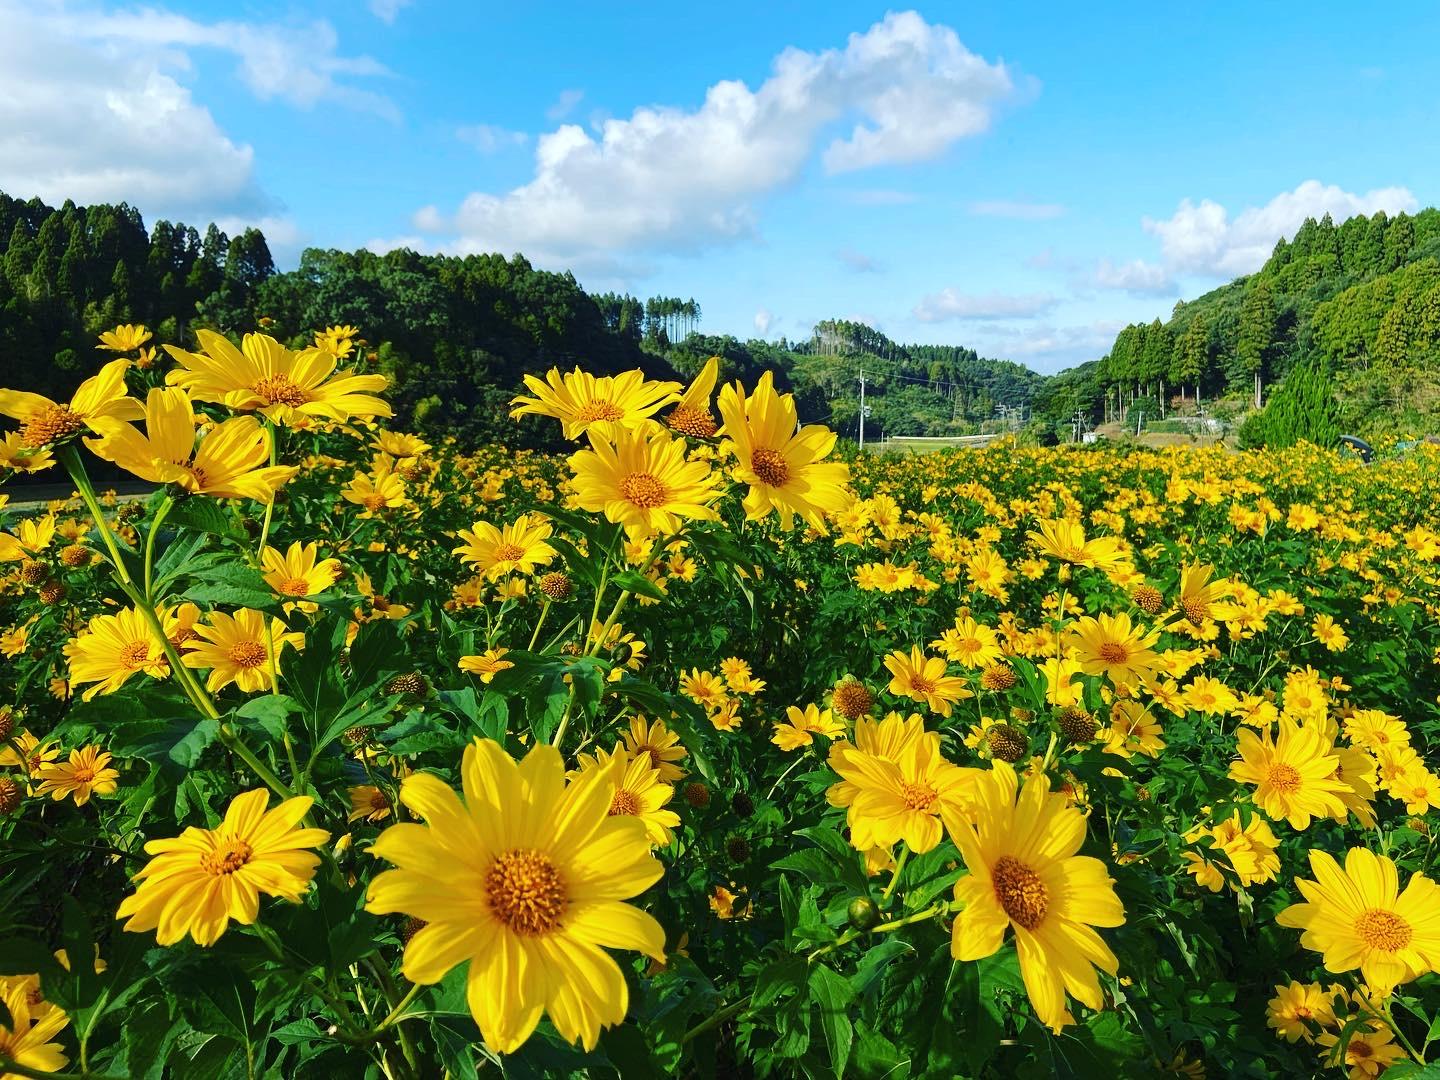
228	856
592	411
51	424
135	655
247	654
1284	778
696	423
525	892
509	553
917	796
295	586
1020	891
280	390
1359	1048
769	466
379	801
643	490
1113	652
624	804
921	685
84	776
1384	930
1194	610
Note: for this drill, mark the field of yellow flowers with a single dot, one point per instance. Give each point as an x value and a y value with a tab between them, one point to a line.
705	749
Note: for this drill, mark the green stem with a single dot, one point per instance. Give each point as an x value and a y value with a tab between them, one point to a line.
269	506
155	524
899	869
544	611
70	458
1395	1027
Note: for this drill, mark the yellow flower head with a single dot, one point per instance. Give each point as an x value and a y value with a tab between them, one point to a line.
802	725
1358	918
124	338
1020	847
584	404
786	470
297	574
691	415
900	797
86	773
657	744
639	792
922	678
112	649
643	481
202	879
27	1041
1064	540
232	461
240	649
1294	773
1110	645
44	422
525	880
487	664
264	376
519	546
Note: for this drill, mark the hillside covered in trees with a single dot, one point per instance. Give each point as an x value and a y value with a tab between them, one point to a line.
1360	301
455	334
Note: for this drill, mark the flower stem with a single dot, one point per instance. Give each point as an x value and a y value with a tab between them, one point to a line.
155	523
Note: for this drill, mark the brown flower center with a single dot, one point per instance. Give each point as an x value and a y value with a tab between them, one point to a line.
921	685
696	423
525	892
917	796
1359	1048
247	654
229	855
593	411
295	586
1195	610
1113	652
1020	891
624	804
50	425
280	390
769	466
643	490
1384	930
84	776
135	655
1284	778
509	553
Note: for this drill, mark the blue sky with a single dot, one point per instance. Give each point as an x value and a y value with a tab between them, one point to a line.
1020	178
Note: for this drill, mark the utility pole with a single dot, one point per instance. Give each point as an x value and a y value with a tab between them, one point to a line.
862	410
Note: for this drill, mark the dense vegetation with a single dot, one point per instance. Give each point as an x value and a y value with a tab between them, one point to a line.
1361	298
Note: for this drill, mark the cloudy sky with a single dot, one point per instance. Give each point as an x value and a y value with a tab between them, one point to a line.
1022	178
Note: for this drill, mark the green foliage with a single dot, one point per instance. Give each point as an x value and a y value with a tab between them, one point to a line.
1303	409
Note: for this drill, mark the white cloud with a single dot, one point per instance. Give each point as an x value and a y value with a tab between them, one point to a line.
672	179
489	139
764	320
564	105
1051	348
950	303
1137	277
1204	239
1021	211
387	10
857	261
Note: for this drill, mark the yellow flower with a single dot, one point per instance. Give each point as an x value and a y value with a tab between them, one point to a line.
368	803
525	880
1418	789
659	744
1111	646
519	546
969	643
297	573
1064	540
1359	918
239	649
337	340
231	462
1207	875
1329	633
27	1041
1294	774
1025	874
34	755
584	403
86	773
639	792
923	678
15	455
1368	1053
900	794
487	665
691	415
786	470
1198	592
383	491
1133	730
703	688
31	538
642	480
124	338
264	376
803	725
199	881
1292	1006
113	648
44	422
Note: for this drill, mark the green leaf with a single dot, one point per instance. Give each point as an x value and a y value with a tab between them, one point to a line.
232	585
181	740
204	515
635	582
834	995
777	978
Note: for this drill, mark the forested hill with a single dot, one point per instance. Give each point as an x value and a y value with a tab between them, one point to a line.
1360	300
455	334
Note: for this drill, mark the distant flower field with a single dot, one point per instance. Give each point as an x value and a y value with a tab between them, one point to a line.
704	749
